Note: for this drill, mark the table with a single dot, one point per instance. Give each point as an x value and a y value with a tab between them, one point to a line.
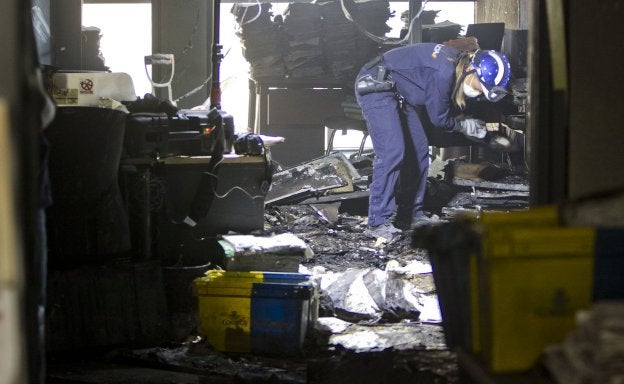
295	109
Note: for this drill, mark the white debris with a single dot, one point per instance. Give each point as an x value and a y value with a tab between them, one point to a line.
328	279
357	298
375	281
413	268
380	242
403	336
429	309
350	295
285	243
361	341
332	325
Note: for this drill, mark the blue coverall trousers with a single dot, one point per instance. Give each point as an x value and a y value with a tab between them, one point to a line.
401	162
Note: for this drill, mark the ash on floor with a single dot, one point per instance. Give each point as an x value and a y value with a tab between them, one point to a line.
375	349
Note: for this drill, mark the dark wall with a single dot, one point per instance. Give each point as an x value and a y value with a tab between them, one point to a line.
575	129
548	110
596	160
9	48
66	25
184	28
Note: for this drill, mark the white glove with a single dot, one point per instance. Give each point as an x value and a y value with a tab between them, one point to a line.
473	128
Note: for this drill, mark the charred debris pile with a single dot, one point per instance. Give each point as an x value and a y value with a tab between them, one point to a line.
333	191
324	202
310	39
329	39
378	314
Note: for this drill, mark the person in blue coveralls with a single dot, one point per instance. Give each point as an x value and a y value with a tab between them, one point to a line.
401	92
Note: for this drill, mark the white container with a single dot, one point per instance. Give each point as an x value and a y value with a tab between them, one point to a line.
91	89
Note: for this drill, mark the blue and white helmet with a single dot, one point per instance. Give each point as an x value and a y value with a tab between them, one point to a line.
493	70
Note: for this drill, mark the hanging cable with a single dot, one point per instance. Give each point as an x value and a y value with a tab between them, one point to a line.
199	87
194	90
232	189
243	22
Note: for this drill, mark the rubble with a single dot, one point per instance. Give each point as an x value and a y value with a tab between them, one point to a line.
400	337
310	40
386	366
604	210
371	295
328	173
278	253
351	298
378	302
593	352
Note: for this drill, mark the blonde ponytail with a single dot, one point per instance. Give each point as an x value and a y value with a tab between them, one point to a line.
462	65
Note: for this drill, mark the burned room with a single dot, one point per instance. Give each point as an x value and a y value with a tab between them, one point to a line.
303	191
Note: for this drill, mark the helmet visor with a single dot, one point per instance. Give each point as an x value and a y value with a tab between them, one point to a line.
495	93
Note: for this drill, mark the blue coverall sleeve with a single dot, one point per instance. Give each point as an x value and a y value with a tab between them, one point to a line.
438	102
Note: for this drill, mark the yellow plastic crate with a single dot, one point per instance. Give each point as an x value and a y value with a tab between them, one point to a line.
494	227
546	215
457	269
225	308
532	282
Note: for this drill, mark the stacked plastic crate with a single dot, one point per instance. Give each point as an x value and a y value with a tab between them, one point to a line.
264	312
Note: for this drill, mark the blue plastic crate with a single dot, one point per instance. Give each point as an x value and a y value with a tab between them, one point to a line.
280	316
609	265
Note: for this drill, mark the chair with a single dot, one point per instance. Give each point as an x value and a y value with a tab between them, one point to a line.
351	120
344	123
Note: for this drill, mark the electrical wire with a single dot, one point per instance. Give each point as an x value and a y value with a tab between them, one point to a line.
199	87
226	194
378	39
200	237
194	32
243	22
234	188
194	90
411	26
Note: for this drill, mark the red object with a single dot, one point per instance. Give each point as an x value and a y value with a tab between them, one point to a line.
215	96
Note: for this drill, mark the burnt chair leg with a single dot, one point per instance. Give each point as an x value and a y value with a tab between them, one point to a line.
362	143
330	142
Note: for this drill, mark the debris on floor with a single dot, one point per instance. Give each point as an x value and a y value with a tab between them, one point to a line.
593	352
397	337
333	172
388	366
278	253
396	293
604	210
378	313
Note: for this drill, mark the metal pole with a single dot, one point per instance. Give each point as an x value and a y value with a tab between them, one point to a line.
414	8
146	214
217	56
